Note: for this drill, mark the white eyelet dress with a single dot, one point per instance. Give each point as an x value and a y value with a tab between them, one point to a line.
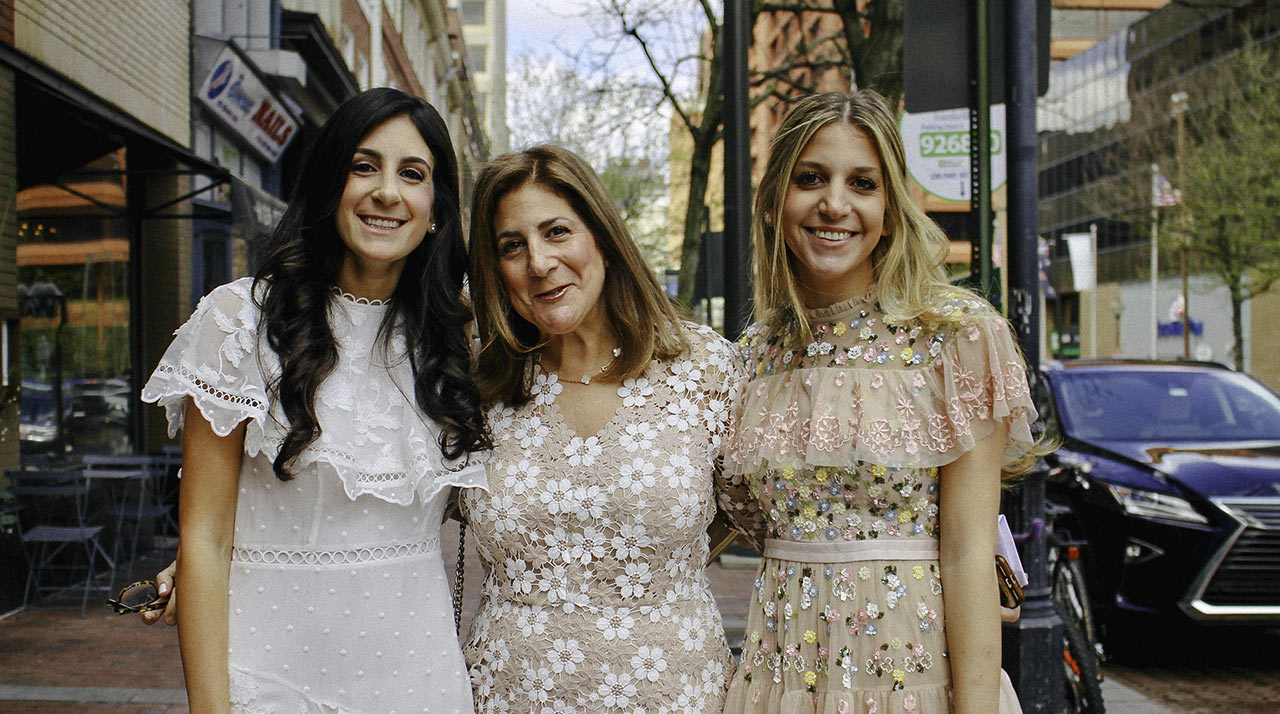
338	595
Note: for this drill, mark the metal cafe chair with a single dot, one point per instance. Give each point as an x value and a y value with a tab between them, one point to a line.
56	533
132	485
169	462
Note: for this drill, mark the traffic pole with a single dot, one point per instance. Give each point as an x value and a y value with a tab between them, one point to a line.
1033	645
980	151
736	34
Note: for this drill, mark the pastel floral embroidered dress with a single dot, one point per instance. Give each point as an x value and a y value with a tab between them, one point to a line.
338	597
596	597
840	443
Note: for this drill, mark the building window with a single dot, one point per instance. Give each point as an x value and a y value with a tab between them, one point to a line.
476	56
248	22
473	12
73	274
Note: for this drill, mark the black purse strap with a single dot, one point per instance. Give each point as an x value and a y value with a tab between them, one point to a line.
458	576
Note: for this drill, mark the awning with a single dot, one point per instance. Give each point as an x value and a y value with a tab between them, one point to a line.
80	127
254	212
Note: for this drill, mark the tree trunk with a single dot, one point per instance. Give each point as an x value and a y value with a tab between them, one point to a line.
704	139
1237	325
690	249
876	57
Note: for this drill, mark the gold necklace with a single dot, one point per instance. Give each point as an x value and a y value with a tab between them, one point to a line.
586	378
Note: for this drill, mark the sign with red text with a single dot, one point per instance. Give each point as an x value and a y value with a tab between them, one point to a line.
233	92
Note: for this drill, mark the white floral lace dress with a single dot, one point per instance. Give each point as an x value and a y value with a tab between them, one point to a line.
841	443
596	597
338	596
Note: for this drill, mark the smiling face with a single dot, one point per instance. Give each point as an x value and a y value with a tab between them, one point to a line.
833	215
553	269
385	209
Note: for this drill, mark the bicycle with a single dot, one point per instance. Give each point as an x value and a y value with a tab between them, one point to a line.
1082	652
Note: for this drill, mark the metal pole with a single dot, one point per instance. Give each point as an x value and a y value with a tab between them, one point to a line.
1093	294
1033	645
737	169
980	143
1155	263
1179	102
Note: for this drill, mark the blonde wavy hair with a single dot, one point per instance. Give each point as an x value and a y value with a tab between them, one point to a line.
908	261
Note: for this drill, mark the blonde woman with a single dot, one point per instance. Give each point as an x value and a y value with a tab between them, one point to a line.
881	405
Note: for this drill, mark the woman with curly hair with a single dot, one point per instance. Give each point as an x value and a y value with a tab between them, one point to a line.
327	413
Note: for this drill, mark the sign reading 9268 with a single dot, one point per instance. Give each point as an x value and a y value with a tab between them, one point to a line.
937	148
952	143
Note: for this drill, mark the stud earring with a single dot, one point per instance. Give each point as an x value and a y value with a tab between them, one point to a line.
432	227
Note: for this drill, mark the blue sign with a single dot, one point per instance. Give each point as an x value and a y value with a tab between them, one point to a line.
233	92
1174	329
219	80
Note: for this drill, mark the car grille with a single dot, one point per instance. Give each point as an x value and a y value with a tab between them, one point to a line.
1249	574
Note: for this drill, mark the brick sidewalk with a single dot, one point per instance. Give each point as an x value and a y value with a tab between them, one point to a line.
52	661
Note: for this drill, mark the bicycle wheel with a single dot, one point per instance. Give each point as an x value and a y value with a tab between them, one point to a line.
1081	668
1069	593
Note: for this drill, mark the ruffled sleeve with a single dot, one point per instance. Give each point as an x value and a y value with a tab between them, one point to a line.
900	416
373	437
215	360
983	380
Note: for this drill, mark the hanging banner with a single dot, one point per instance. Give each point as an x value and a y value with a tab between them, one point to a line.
1084	274
233	92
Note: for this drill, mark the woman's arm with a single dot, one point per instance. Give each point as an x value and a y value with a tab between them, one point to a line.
207	514
969	504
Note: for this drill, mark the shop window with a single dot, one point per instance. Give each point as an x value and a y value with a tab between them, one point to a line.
476	58
472	12
215	258
8	331
73	258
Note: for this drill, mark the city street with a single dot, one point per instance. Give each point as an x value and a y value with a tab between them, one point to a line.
1205	672
52	661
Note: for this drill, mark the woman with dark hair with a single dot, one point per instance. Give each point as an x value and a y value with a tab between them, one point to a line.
328	413
607	412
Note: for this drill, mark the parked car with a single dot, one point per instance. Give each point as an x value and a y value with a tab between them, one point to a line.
1171	471
95	416
37	425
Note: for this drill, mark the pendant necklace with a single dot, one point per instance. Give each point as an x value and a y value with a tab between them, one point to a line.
586	378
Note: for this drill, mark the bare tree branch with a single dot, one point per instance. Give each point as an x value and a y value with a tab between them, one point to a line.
667	90
796	8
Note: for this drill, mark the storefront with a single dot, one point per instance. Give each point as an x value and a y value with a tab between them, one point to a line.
103	229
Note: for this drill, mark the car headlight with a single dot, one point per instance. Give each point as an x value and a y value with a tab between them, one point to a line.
1153	504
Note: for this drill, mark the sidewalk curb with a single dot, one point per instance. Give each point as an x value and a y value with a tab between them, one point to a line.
101	695
1121	699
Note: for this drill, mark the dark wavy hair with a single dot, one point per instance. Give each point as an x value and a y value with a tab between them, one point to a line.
301	268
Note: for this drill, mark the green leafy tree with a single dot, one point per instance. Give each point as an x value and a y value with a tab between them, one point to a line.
1226	157
1211	131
